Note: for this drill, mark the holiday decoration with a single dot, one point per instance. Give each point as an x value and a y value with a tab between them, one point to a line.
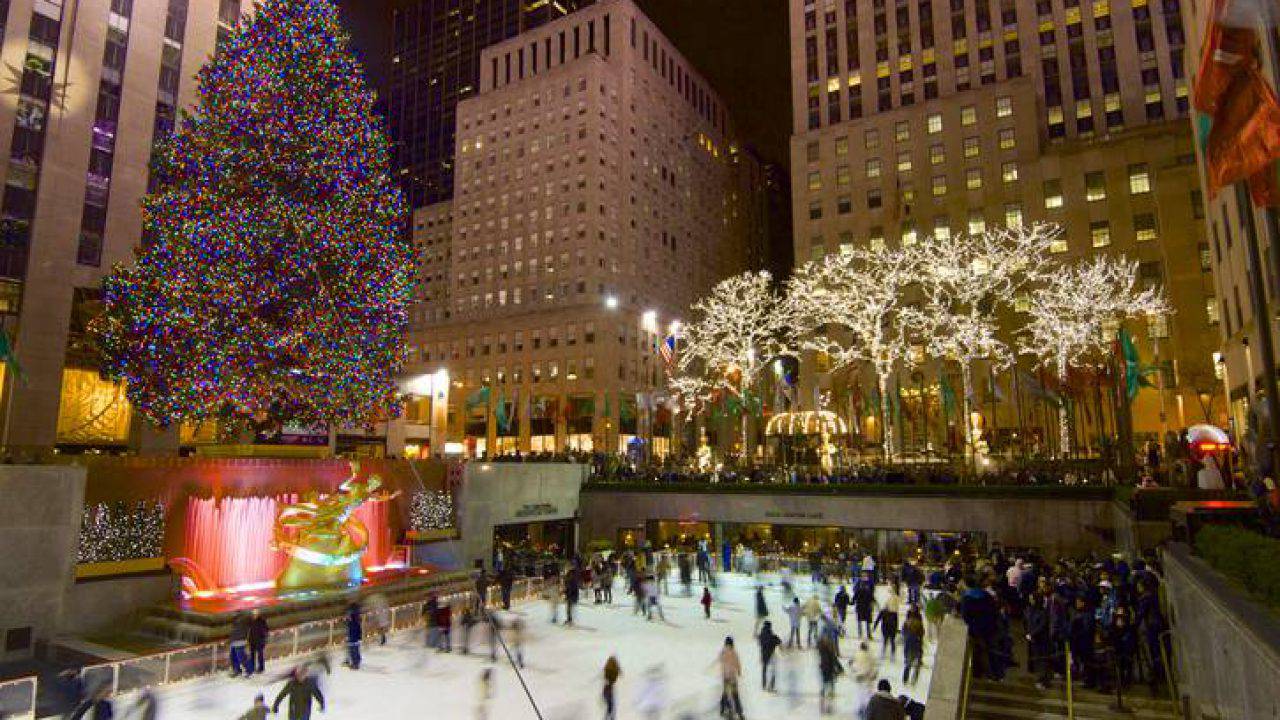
276	280
111	532
323	539
1072	313
431	510
851	306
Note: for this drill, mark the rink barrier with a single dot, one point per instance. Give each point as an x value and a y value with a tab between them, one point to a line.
18	698
125	677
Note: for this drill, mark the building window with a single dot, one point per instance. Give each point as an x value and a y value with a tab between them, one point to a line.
815	180
873	168
942	227
977	223
971	147
1100	233
904	162
811	152
1144	230
968	115
844	204
1009	172
902	131
1058	245
1007	141
815	210
874	199
1095	186
1013	215
934	123
973	178
1052	194
842	176
937	155
939	185
1004	106
1211	310
842	146
909	235
871	139
1139	179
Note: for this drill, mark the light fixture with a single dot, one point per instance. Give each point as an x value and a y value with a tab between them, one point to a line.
611	302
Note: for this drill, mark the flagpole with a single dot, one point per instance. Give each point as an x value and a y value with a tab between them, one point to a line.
1262	318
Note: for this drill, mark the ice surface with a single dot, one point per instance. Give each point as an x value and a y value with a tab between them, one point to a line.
564	665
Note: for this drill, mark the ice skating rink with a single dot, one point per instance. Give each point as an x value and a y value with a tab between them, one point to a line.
563	667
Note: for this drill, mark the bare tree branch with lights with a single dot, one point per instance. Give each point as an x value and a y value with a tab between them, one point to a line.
1073	311
735	331
851	307
964	283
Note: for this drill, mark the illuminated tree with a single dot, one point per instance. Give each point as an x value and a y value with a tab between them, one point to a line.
1073	312
965	282
735	330
851	306
275	280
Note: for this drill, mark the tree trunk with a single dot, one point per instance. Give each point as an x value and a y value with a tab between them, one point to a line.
1064	424
886	424
966	381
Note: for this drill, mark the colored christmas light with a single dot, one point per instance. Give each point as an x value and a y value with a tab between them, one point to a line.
277	280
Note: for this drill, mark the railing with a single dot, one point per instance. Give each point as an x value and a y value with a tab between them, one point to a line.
1166	655
1071	706
123	677
18	698
968	677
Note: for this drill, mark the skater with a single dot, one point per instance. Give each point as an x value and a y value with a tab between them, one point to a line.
864	664
258	633
794	611
730	671
430	609
259	711
762	610
551	592
864	598
571	593
664	570
652	700
468	621
516	636
887	621
706	602
239	643
506	580
769	642
484	693
355	633
841	605
912	646
829	668
813	616
883	705
654	602
611	672
145	708
300	690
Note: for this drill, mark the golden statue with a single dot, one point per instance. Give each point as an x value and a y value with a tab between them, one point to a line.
323	538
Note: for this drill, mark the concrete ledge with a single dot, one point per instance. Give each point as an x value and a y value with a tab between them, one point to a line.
946	689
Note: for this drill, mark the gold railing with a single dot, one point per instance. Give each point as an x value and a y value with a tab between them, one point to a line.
1071	705
968	676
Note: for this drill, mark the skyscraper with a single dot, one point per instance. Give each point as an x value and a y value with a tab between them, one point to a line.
599	192
938	117
435	63
93	85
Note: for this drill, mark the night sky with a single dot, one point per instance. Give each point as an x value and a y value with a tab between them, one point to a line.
740	45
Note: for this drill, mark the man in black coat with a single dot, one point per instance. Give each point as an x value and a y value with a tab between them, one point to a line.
571	592
258	632
1039	641
769	642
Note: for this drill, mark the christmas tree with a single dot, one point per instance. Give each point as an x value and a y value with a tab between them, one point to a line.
275	280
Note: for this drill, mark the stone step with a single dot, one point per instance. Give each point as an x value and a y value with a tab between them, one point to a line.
1088	705
982	709
1134	697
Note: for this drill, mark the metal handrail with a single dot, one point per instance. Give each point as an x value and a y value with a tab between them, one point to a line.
1071	705
1166	656
198	661
968	676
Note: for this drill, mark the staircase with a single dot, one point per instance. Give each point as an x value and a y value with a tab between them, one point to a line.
1017	698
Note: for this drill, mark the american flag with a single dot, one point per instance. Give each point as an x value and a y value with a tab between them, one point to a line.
667	349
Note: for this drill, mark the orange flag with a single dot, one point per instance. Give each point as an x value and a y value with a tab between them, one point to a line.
1243	139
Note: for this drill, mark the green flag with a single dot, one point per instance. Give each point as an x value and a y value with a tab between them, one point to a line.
8	356
479	397
1135	373
500	413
